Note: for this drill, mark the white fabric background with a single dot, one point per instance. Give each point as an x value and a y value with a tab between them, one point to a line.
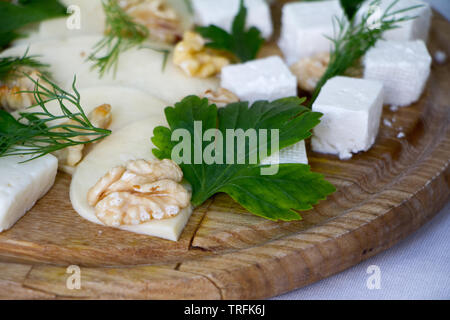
416	268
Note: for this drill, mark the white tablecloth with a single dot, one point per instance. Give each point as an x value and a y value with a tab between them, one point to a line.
416	268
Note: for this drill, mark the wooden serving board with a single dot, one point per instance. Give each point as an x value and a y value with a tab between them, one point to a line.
226	253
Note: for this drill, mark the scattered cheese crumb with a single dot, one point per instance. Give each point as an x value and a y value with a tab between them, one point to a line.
387	123
394	108
440	57
400	135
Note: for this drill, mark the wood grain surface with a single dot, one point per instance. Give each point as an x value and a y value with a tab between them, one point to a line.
226	253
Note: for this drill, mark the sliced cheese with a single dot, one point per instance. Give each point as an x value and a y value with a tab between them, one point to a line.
127	104
138	68
22	184
292	154
130	143
91	17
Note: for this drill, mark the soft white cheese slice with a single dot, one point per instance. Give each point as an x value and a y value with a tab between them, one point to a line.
130	143
22	184
127	104
91	18
138	68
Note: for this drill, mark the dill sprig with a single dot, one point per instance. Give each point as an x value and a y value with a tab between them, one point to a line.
11	67
352	40
40	132
122	33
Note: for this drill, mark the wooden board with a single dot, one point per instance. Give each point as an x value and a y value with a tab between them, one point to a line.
226	253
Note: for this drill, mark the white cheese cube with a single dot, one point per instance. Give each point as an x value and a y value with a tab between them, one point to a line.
305	27
222	12
22	184
292	154
351	116
407	30
403	67
261	79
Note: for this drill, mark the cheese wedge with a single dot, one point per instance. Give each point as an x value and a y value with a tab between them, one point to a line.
22	184
138	68
130	143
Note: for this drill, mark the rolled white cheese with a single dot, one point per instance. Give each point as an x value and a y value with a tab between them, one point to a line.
22	184
88	18
138	68
131	143
127	104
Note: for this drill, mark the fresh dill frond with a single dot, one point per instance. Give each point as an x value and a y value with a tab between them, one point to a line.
40	132
188	4
165	52
121	34
10	67
352	40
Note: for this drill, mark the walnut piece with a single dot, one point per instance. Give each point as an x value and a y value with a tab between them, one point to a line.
221	97
139	192
11	99
69	157
309	70
195	59
158	16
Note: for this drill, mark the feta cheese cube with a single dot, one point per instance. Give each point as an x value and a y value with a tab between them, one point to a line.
305	27
402	66
222	12
22	184
351	116
417	28
261	79
292	154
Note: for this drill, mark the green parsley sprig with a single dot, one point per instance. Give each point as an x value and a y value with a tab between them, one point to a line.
277	197
122	34
17	14
244	45
352	40
40	132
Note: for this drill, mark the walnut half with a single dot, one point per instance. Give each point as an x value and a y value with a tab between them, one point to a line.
220	97
158	16
11	97
139	192
309	70
195	59
69	157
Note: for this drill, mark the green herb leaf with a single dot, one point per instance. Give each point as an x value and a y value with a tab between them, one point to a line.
351	41
350	7
244	45
122	34
279	196
40	132
10	67
15	16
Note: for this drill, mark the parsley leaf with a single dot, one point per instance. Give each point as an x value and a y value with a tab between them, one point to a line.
276	197
14	16
244	45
